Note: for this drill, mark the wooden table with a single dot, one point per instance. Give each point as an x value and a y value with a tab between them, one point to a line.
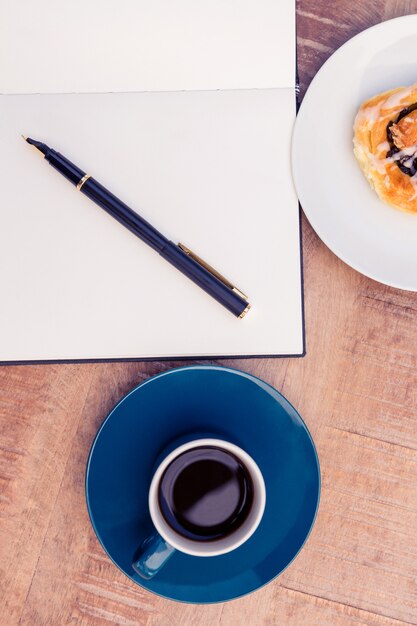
356	389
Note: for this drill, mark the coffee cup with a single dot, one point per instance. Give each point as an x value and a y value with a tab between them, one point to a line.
206	498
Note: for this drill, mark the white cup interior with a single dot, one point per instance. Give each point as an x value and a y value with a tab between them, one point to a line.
225	544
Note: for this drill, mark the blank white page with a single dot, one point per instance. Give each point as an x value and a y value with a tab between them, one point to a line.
47	46
209	169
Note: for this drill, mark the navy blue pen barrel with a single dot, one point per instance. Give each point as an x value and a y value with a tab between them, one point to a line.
167	249
145	231
204	279
123	214
65	167
170	251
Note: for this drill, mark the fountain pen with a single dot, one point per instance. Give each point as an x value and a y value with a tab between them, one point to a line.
178	255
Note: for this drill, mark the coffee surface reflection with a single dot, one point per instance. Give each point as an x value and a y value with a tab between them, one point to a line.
206	493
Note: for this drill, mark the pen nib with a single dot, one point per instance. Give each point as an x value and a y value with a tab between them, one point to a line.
37	144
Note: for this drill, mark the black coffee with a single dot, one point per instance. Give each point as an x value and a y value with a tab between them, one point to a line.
205	493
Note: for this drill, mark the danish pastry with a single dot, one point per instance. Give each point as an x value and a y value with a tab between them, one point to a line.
385	144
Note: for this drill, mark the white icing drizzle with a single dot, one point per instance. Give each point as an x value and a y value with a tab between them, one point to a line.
396	98
371	114
406	152
382	147
380	165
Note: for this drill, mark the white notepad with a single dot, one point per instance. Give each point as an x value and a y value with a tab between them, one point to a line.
186	115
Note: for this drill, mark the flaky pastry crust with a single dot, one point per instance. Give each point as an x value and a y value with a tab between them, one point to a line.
388	156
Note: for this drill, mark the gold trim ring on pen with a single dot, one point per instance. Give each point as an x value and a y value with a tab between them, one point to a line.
83	180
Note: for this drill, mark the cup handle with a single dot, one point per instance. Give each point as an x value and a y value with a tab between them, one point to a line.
152	556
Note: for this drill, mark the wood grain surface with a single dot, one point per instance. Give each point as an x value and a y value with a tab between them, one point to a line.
356	389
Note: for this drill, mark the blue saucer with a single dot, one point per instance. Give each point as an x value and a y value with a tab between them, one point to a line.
216	401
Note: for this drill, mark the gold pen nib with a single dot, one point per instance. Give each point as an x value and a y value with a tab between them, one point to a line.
41	147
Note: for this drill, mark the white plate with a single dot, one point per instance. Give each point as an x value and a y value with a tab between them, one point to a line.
372	237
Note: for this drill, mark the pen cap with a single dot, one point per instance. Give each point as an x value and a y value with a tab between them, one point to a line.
234	302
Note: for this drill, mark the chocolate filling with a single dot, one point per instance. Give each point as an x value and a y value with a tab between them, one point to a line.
410	169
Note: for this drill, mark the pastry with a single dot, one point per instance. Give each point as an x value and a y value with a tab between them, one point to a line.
385	144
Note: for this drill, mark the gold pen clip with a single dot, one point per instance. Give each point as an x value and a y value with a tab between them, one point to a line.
213	271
